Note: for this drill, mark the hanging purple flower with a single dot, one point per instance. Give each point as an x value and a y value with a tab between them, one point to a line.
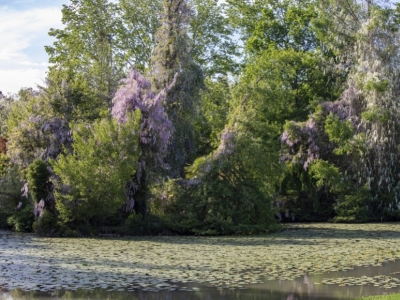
156	129
135	93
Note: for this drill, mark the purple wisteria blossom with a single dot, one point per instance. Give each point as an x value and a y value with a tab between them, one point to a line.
156	129
304	142
135	93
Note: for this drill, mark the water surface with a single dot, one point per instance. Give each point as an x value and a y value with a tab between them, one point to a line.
288	265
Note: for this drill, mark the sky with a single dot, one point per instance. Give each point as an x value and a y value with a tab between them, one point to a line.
24	27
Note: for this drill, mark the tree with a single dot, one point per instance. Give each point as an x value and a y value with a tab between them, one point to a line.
172	56
3	156
40	188
72	98
135	94
230	190
38	177
34	131
5	107
93	178
211	38
213	114
284	75
284	56
359	130
135	32
85	47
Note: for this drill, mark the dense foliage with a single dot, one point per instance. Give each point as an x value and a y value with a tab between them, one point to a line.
94	177
202	117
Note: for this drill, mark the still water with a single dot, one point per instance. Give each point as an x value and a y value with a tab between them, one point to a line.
59	268
303	288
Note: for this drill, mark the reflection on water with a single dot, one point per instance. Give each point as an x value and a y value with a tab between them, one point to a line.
303	288
203	294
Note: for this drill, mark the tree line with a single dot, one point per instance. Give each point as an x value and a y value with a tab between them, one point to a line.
201	117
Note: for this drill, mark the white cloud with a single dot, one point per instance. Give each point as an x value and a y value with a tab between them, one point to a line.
23	61
11	81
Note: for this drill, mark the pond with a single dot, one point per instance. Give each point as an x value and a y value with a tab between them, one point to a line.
305	261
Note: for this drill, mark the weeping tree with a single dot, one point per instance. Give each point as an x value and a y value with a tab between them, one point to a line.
172	55
349	146
229	191
377	78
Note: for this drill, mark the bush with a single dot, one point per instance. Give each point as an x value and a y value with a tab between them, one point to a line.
10	197
223	202
301	200
46	224
22	220
37	177
354	208
93	178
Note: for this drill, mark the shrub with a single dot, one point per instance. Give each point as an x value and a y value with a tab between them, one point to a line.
223	202
37	177
46	224
22	220
354	208
94	176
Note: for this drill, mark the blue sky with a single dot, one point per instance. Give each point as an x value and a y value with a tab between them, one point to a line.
24	25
